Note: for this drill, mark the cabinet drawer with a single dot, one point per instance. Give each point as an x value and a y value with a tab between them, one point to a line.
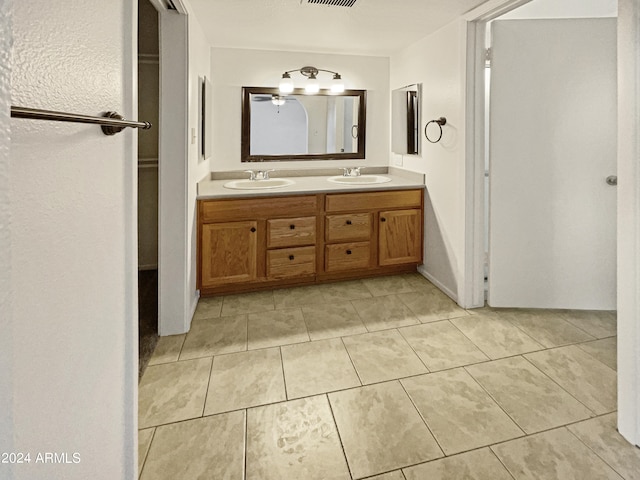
352	227
289	232
349	202
347	256
234	209
291	262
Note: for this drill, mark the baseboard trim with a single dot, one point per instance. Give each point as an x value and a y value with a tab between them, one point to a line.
422	271
194	305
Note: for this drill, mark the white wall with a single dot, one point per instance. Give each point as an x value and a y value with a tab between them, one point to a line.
73	246
198	168
438	62
6	294
233	69
564	9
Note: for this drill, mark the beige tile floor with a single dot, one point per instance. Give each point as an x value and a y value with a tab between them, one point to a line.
382	379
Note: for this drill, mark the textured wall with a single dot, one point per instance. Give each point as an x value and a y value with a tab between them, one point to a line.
6	314
72	191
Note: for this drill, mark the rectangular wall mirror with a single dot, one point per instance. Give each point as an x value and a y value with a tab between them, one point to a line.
405	120
299	126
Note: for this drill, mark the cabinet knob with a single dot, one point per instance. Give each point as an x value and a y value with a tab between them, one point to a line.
292	227
382	219
348	222
348	252
253	229
291	257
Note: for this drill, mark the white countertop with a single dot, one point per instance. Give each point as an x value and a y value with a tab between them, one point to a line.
400	180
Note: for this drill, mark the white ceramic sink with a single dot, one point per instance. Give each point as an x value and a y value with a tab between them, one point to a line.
258	184
359	180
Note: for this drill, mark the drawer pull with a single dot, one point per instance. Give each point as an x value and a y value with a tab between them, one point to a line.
292	227
348	252
253	229
348	222
382	219
291	257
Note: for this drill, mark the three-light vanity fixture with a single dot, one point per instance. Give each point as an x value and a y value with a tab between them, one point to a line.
311	85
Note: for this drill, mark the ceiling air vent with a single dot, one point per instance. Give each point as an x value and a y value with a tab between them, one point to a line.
333	3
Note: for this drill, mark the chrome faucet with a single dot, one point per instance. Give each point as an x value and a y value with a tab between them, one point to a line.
351	171
259	174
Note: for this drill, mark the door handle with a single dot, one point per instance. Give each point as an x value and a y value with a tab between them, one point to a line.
612	180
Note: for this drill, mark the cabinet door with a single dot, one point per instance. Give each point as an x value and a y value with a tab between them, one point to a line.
400	239
229	252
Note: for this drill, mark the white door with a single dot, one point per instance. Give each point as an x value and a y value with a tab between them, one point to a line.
553	129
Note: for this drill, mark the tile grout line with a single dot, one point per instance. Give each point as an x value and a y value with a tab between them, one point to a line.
495	401
558	384
284	377
515	324
589	333
501	462
413	349
594	452
184	340
246	442
352	364
424	420
593	356
206	393
335	423
469	338
146	455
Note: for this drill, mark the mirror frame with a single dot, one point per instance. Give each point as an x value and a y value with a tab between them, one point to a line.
245	149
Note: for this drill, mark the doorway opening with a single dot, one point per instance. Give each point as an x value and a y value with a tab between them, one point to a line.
148	108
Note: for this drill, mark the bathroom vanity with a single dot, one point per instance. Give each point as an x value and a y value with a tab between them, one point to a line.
312	232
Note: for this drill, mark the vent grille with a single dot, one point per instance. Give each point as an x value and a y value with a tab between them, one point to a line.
333	3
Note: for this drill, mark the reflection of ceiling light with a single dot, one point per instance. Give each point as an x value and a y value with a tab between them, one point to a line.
311	85
278	100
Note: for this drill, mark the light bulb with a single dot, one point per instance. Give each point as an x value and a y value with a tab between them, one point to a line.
336	84
277	100
312	85
286	84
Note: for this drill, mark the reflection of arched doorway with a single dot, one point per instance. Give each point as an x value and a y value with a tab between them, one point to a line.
283	129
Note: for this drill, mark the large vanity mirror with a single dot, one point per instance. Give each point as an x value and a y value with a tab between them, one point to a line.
405	120
299	126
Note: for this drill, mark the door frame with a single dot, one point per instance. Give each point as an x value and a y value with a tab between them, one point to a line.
628	241
174	298
629	220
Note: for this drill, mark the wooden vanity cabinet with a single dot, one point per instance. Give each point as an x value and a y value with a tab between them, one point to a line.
255	243
387	226
400	237
229	252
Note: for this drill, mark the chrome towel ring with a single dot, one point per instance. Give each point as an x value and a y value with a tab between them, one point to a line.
440	122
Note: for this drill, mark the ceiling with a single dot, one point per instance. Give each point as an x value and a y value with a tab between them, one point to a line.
370	27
